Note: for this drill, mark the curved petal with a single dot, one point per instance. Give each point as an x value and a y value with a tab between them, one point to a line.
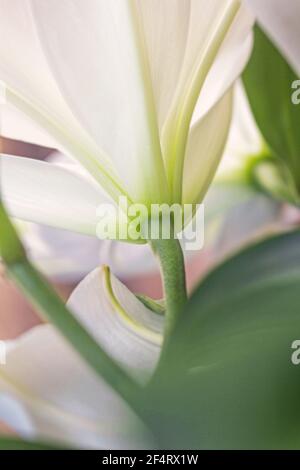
13	414
239	215
62	255
130	260
64	398
215	38
31	89
17	126
230	61
48	194
165	24
66	256
65	401
176	35
22	64
281	22
119	321
106	82
205	148
244	136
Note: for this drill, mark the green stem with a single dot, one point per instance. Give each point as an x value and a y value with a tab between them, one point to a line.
172	267
37	290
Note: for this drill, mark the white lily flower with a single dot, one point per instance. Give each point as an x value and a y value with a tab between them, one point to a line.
140	93
143	101
67	256
60	396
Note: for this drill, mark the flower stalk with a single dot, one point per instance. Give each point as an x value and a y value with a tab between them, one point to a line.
172	267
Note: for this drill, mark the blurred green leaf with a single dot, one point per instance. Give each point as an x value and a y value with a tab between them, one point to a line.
268	80
228	380
13	443
11	249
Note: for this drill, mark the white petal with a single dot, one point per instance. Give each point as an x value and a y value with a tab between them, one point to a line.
14	415
62	255
281	22
66	256
166	24
205	148
217	49
22	64
64	398
99	64
65	401
125	328
130	260
32	89
17	126
230	62
41	192
244	136
241	215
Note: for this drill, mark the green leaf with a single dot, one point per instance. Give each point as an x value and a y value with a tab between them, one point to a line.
268	80
11	249
228	380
